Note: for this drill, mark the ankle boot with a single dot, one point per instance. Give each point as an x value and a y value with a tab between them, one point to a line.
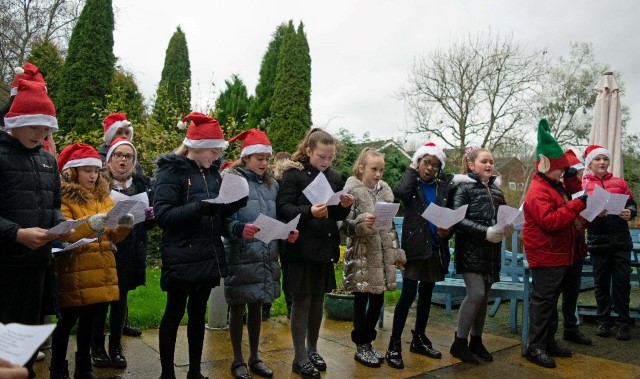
99	355
394	354
460	350
84	370
117	356
420	344
59	370
477	347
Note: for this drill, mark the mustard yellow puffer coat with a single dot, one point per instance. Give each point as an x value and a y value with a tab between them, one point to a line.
88	274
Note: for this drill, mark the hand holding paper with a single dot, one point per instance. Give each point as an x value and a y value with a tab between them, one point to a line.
18	342
601	200
270	229
384	214
233	188
508	216
319	191
444	217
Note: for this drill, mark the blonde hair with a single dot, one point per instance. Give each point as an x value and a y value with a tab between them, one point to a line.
362	159
470	155
182	150
311	140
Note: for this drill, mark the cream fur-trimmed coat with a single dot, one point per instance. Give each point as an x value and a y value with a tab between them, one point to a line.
371	256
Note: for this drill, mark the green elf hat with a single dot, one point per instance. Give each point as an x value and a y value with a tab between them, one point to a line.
549	154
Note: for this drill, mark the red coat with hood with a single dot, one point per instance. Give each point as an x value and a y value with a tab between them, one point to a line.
550	234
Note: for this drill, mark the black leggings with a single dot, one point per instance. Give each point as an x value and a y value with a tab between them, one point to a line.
173	313
408	294
68	316
366	312
116	321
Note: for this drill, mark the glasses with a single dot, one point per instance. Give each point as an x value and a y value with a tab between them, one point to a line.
427	164
127	157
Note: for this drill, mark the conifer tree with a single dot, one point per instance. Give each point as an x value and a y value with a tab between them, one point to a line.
87	74
49	60
125	97
173	97
233	103
260	108
290	107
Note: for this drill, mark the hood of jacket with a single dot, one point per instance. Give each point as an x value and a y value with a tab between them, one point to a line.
473	178
78	194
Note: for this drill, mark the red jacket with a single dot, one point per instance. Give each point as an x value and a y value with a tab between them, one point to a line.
550	233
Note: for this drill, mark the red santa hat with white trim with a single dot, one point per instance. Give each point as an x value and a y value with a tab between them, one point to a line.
254	141
31	107
429	148
112	123
593	151
204	132
27	72
119	142
78	155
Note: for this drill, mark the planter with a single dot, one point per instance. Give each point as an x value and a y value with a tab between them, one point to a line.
339	306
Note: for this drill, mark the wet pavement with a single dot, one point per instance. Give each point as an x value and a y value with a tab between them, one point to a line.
335	346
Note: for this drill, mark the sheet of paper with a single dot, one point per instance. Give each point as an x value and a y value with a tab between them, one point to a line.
596	203
616	203
18	342
78	243
233	188
319	191
122	208
66	226
138	211
508	216
444	217
271	228
385	212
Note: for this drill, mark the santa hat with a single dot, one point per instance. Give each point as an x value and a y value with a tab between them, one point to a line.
549	154
593	151
27	72
254	141
429	148
31	107
119	142
112	123
78	155
204	132
573	160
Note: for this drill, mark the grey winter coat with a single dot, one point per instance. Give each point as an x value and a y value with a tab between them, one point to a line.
252	266
371	256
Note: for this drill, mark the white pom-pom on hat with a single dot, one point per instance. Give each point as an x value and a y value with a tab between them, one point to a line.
182	125
18	70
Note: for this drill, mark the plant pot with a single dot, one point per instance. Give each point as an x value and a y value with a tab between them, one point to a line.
339	306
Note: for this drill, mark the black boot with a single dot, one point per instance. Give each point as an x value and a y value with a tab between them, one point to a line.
59	370
394	354
99	355
117	356
460	350
477	347
420	344
84	370
130	330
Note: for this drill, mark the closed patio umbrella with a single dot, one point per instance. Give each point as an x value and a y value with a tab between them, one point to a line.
606	129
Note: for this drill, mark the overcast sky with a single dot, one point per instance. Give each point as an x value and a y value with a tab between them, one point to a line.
362	51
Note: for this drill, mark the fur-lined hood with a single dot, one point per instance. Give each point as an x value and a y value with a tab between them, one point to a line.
80	195
467	178
283	165
180	164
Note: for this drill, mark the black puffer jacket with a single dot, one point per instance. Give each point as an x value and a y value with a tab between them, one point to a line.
131	258
192	249
473	253
417	240
29	197
319	239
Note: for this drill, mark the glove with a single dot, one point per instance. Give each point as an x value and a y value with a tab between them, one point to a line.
97	221
207	209
583	198
493	235
126	221
149	214
570	172
508	230
239	203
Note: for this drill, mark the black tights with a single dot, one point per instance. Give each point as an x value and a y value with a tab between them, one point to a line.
116	321
254	321
366	312
408	294
68	317
173	313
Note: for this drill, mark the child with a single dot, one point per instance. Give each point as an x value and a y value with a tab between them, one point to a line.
549	235
253	270
610	244
478	248
425	246
372	254
311	258
29	202
193	258
117	126
87	277
131	260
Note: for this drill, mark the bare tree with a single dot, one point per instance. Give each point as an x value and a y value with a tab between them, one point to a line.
477	91
22	22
